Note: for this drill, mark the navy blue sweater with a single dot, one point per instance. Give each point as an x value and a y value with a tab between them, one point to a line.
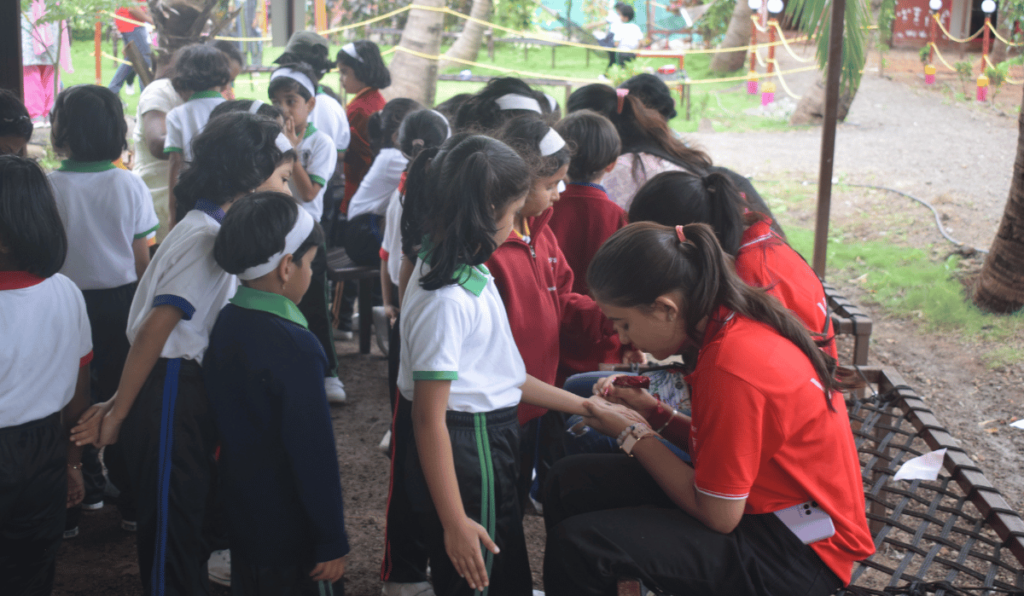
279	466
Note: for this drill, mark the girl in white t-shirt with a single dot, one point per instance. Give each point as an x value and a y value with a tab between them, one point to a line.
107	214
44	379
461	371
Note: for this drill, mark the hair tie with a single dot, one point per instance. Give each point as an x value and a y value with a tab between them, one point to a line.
255	107
515	101
350	49
551	143
447	127
681	234
620	96
296	236
418	142
296	76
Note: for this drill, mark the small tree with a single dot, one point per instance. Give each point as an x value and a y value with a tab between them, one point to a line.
965	73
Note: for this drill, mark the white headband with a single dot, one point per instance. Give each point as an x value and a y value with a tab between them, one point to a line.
447	127
296	76
551	143
514	101
350	49
298	234
552	102
255	107
283	143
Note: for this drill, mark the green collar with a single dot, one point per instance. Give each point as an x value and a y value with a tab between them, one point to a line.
472	278
275	304
310	129
319	89
70	165
205	94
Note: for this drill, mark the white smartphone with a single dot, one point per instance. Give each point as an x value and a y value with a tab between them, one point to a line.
808	521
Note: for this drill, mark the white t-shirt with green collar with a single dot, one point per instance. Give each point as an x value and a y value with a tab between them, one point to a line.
319	158
187	120
460	333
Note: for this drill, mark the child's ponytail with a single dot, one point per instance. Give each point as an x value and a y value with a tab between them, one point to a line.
416	194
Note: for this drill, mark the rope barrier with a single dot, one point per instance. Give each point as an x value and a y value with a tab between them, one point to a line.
736	78
946	32
495	67
387	15
757	24
785	87
941	59
1006	77
114	58
223	37
760	61
1001	38
785	43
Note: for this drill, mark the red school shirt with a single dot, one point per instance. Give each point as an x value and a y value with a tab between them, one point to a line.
535	284
124	26
584	217
766	261
359	156
761	431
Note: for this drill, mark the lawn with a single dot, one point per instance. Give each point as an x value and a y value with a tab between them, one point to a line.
722	103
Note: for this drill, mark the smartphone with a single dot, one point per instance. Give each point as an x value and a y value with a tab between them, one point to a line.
808	521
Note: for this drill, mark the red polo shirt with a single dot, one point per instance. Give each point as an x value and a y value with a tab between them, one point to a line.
762	431
584	217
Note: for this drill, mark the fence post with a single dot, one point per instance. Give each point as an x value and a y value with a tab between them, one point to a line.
96	44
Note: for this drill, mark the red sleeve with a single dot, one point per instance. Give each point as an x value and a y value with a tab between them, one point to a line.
85	360
384	255
359	156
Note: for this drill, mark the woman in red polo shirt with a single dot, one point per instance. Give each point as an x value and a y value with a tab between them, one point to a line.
768	432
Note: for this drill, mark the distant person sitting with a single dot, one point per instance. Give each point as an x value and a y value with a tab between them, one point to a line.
623	34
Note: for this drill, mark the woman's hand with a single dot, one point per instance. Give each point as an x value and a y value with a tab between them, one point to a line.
99	425
76	487
637	399
608	418
328	571
462	543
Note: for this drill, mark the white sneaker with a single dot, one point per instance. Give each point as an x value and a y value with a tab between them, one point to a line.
219	567
385	443
335	390
417	589
130	90
382	328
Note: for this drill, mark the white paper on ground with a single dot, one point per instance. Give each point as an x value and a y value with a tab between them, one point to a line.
1018	424
925	467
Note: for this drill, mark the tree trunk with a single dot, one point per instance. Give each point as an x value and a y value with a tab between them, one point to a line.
811	108
999	48
736	36
1001	285
412	76
467	46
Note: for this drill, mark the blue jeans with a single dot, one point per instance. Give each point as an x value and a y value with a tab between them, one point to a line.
141	39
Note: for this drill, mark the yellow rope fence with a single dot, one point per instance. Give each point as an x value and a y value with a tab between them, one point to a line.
1007	77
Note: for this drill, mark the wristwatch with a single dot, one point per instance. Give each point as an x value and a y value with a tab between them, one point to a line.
632	435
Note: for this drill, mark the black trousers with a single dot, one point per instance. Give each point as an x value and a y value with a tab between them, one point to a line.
33	491
316	307
108	316
607	520
394	356
405	553
168	440
541	445
248	579
484	446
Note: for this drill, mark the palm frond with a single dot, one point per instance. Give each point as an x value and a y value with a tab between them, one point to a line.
814	17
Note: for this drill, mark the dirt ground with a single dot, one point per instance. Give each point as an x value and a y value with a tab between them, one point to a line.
901	134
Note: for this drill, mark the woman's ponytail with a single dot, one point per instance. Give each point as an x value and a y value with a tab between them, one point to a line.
725	210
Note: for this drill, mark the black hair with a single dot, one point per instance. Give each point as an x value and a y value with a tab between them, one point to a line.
14	118
265	110
371	70
453	196
320	64
644	261
255	229
199	67
450	106
524	134
653	92
595	140
31	231
625	10
481	113
235	153
422	129
290	85
89	124
383	124
230	50
641	129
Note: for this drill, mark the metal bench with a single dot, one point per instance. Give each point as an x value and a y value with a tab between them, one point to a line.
848	319
340	269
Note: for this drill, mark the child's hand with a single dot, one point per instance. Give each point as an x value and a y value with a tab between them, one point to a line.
638	399
609	419
99	425
289	132
76	487
328	571
463	547
392	312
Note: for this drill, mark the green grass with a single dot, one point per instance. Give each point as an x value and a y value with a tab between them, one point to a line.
722	103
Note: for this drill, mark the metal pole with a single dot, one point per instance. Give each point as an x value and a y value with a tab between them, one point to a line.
931	48
828	136
96	51
753	42
984	44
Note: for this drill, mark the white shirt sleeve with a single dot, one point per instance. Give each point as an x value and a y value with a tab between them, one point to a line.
435	340
174	141
84	329
146	220
392	241
190	276
321	160
380	181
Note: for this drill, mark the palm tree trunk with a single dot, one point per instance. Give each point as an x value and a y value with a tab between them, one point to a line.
1001	285
412	76
736	36
467	46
